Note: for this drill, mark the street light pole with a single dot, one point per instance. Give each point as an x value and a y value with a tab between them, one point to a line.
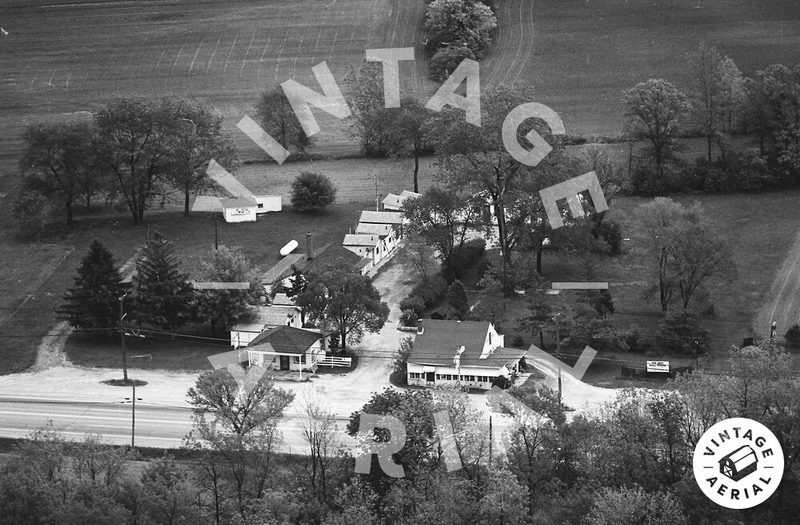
122	338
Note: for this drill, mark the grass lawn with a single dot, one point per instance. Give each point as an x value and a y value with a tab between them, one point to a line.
178	354
34	290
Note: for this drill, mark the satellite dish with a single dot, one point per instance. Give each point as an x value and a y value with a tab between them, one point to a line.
288	248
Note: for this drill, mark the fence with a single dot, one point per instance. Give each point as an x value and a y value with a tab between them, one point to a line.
344	362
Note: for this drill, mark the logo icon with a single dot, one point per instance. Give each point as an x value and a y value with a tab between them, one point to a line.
738	463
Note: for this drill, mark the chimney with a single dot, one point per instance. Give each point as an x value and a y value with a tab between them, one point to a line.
420	328
309	247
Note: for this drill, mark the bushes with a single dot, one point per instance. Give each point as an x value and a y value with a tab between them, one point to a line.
470	253
408	317
679	332
611	232
446	60
312	191
793	336
425	296
30	211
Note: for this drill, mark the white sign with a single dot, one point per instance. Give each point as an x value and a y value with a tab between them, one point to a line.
658	366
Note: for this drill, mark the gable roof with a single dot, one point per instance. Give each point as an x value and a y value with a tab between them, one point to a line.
256	319
285	340
281	299
361	239
332	255
397	201
238	202
381	230
283	268
439	340
438	343
381	217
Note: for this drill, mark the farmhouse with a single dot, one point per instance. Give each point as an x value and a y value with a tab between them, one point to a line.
286	348
394	202
466	353
239	209
262	318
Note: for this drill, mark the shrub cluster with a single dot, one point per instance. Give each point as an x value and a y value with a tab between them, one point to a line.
680	332
425	296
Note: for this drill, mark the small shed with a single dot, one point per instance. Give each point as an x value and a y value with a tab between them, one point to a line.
739	463
239	209
267	203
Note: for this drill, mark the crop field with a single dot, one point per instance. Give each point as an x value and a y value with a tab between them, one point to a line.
587	52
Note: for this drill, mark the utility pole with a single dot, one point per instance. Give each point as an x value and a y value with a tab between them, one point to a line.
133	399
122	315
558	354
490	441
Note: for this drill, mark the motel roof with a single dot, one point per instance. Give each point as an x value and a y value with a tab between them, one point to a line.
398	200
381	217
256	319
358	239
381	230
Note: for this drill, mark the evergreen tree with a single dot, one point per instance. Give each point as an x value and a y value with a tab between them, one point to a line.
93	302
457	301
224	308
162	295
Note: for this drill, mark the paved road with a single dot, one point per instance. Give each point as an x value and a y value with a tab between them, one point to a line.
156	426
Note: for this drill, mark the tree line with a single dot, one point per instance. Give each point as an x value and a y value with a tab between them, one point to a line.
720	104
131	152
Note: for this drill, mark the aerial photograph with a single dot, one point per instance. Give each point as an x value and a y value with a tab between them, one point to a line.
398	262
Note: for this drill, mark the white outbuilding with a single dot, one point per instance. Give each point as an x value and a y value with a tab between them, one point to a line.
239	209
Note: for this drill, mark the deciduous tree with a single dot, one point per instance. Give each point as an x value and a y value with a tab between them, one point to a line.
195	137
349	303
278	119
63	156
653	112
134	145
717	92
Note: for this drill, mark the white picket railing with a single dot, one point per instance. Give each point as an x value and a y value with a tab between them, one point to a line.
333	361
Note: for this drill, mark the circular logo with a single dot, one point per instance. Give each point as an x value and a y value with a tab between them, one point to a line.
738	463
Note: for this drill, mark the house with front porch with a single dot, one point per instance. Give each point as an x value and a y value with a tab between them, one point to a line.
286	348
461	353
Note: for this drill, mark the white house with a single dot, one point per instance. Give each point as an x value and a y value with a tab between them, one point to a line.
239	209
466	353
394	202
286	348
262	318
